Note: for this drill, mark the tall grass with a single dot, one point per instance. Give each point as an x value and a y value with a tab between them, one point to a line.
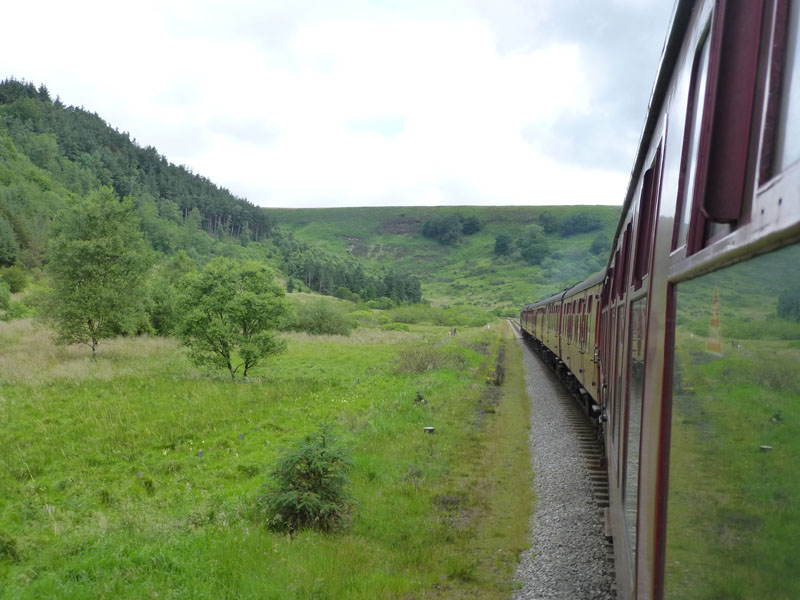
136	475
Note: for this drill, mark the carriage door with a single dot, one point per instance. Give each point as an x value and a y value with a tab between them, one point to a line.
637	329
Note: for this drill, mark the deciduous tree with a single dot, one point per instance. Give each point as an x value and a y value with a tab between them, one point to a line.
98	261
230	313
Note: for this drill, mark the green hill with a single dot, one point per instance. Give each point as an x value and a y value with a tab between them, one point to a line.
468	271
52	154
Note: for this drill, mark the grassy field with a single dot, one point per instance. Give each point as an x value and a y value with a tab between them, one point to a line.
469	272
135	475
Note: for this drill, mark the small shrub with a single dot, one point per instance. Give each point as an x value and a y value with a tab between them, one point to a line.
422	358
382	303
15	278
308	487
5	296
323	317
17	310
365	317
395	327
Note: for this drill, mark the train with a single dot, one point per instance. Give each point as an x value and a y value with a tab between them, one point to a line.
685	349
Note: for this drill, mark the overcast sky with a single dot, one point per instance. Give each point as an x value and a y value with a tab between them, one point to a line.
361	102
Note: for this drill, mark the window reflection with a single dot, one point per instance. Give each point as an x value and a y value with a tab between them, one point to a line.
788	149
636	349
733	525
695	121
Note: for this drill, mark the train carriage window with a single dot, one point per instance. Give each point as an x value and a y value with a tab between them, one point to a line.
622	282
583	333
646	226
733	513
697	96
569	327
788	142
717	143
636	355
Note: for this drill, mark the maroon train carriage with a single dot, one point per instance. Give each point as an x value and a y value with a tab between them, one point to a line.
564	329
690	339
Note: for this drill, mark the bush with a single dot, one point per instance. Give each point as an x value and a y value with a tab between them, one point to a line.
601	244
508	311
549	222
502	244
9	248
345	294
395	327
308	487
365	317
471	225
323	317
382	303
446	230
533	247
580	223
15	277
163	307
5	296
17	310
422	358
788	304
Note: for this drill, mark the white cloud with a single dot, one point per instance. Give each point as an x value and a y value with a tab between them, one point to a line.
351	104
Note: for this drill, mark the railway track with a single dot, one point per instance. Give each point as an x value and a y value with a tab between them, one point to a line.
571	554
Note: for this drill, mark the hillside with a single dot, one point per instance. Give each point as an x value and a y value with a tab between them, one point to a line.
51	155
468	271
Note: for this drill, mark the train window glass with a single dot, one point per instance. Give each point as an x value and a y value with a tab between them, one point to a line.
728	134
634	418
788	142
619	390
611	368
642	257
733	518
626	250
586	320
697	93
644	234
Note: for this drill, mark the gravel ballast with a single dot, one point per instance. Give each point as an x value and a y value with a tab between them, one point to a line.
568	554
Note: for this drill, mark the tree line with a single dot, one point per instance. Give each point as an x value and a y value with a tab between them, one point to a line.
343	276
69	149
